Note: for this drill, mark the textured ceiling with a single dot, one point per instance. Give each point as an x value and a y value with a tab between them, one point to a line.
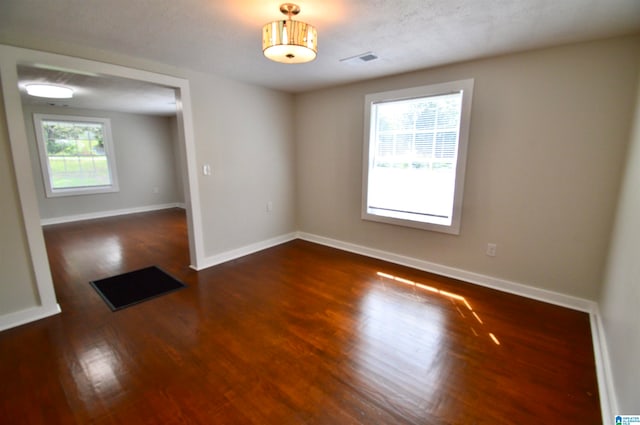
99	92
224	36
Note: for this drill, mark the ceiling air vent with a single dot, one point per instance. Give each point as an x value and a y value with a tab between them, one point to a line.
362	57
367	57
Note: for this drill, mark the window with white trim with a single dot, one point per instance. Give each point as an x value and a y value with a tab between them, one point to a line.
76	155
415	149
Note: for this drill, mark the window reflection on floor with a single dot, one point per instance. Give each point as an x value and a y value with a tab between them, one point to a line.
407	356
424	290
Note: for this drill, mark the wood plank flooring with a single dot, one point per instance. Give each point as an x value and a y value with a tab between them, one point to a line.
296	334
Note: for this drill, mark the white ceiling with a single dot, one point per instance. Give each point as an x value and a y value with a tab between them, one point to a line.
224	36
99	92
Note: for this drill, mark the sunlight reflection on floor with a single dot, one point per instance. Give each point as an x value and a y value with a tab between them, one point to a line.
447	294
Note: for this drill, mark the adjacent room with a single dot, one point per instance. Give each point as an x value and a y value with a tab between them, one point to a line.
407	212
142	133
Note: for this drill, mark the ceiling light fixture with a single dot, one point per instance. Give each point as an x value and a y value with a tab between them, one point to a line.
289	41
49	91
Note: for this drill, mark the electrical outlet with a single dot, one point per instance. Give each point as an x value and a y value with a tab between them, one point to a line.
269	206
156	190
491	249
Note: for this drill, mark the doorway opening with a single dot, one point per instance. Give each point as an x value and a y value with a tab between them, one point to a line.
18	58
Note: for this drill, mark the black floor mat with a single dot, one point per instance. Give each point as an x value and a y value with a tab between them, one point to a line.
135	287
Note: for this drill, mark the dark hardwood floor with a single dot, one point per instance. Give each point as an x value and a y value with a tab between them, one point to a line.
296	334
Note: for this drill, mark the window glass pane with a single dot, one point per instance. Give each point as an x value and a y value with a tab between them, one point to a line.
417	174
413	149
76	154
385	146
424	145
404	144
406	120
427	118
446	144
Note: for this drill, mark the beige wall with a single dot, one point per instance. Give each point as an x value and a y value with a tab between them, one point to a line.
242	132
17	281
620	298
145	159
549	131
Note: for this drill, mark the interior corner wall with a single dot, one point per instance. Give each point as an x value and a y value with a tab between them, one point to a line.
549	131
17	280
620	298
244	134
145	160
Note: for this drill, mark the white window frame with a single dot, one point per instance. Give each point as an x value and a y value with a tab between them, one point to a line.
463	86
52	192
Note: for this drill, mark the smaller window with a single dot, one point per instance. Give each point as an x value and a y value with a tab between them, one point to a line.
414	155
76	155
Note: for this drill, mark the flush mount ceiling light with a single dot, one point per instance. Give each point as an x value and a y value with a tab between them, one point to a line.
289	41
49	91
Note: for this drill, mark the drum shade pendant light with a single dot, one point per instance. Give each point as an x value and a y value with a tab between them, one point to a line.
289	41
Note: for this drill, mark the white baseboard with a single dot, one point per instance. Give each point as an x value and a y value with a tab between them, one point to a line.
503	285
111	213
606	389
22	317
245	250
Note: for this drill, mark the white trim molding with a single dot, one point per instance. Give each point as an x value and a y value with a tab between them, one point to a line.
606	389
21	317
244	250
111	213
503	285
11	57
